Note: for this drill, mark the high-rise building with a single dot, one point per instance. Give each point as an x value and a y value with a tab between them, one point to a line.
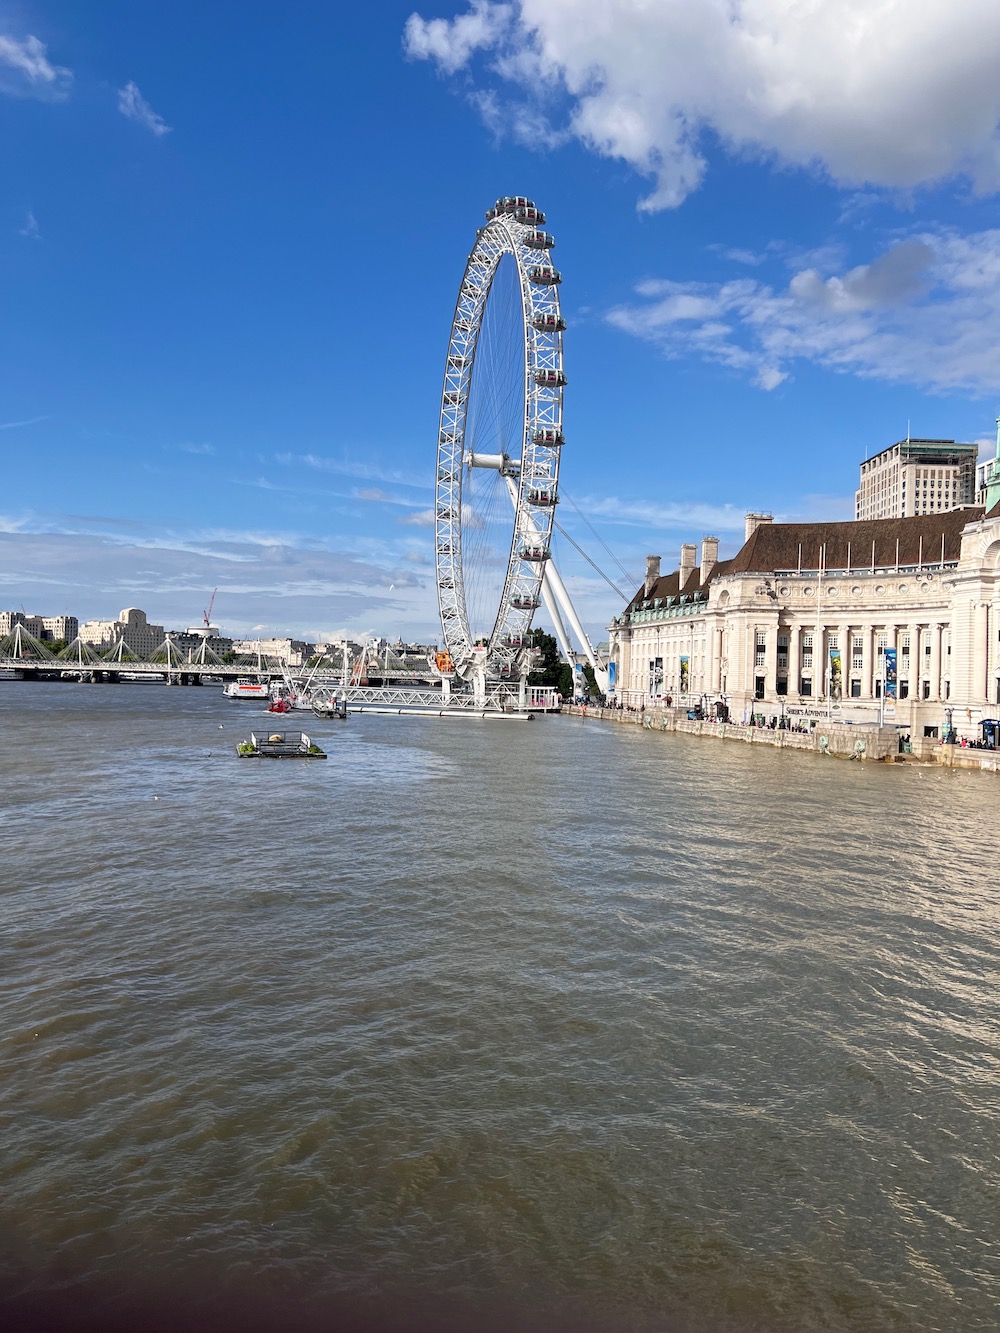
917	477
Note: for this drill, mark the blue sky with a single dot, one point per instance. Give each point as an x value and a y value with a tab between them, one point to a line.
231	237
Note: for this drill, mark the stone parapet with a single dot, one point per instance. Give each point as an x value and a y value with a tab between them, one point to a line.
838	739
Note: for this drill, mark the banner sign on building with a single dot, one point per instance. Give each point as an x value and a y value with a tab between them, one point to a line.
889	668
684	675
836	675
612	675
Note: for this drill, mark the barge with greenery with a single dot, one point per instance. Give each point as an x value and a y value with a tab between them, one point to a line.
279	745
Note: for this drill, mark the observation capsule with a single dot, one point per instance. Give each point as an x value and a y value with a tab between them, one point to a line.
543	499
549	437
511	641
451	397
510	203
534	553
545	275
546	379
530	215
546	323
457	362
521	603
538	240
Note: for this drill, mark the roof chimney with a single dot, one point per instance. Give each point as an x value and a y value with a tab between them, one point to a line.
652	573
753	522
709	556
688	552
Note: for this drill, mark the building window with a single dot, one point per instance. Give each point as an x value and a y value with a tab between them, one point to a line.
781	685
855	688
878	689
927	690
904	689
806	687
758	657
758	687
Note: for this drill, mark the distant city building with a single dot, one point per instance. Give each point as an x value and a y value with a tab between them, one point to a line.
191	641
897	616
294	652
60	627
132	627
917	477
9	620
40	627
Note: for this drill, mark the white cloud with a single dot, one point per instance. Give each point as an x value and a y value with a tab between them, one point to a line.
926	312
25	70
90	567
423	518
451	42
649	515
12	425
892	93
134	106
30	228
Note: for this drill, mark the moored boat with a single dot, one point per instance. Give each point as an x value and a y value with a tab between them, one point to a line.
247	688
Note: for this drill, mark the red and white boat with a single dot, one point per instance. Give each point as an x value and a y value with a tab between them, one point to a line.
248	689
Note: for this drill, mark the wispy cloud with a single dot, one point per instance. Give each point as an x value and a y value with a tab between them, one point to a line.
925	311
26	71
360	471
134	106
197	448
643	513
30	421
30	228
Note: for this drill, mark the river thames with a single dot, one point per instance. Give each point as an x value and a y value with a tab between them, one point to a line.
561	1025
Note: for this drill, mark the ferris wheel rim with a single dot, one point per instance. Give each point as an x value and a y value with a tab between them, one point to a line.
513	229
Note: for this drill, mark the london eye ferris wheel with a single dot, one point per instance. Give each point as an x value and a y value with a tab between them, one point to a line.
499	443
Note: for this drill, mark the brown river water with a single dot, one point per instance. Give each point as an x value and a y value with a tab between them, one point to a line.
483	1025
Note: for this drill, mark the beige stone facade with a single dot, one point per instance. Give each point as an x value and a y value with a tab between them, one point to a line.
805	619
131	627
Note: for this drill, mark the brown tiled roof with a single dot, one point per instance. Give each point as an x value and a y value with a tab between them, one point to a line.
774	546
906	541
668	585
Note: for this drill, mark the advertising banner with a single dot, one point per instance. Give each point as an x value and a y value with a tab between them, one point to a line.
612	675
684	675
836	675
889	672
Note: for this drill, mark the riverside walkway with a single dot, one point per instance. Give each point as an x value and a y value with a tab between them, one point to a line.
856	741
841	740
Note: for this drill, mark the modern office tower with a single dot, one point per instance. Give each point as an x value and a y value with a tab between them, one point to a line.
917	477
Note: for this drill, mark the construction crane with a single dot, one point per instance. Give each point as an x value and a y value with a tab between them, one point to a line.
206	615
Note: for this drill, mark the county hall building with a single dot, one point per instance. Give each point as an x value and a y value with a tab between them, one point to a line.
894	619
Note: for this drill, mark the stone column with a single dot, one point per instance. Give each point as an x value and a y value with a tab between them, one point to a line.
794	670
914	668
844	639
771	662
868	662
937	688
716	641
980	653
